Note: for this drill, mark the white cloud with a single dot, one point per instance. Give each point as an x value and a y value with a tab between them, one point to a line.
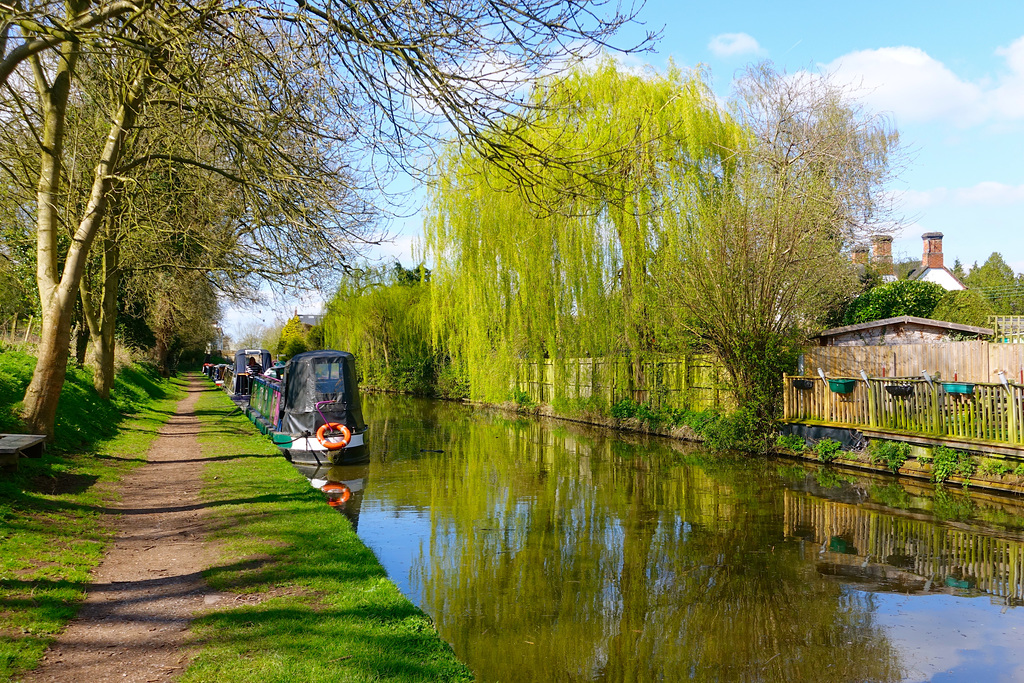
909	83
734	44
990	193
916	87
986	194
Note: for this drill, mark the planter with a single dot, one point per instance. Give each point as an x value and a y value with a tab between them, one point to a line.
963	388
842	386
899	390
803	384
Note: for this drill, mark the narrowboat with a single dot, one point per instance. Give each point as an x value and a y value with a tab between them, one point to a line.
313	413
237	379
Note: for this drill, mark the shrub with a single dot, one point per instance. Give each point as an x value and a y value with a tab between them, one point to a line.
892	454
827	450
966	307
948	461
902	297
522	399
791	442
451	383
994	468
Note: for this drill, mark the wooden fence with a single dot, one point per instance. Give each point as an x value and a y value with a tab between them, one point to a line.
1009	329
968	361
940	555
991	412
695	382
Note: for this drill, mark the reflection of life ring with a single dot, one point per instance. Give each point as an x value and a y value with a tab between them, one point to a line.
329	434
337	493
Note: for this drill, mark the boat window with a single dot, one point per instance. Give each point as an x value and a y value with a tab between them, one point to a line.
328	378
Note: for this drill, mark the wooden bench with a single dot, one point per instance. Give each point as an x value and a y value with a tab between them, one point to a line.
13	446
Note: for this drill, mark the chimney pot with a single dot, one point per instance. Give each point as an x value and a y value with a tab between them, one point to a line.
881	254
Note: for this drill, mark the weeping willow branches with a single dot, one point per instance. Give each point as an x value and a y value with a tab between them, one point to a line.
698	225
579	276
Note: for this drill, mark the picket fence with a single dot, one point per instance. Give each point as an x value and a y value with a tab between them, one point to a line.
693	382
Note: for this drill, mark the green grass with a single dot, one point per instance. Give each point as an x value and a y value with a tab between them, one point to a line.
52	529
325	610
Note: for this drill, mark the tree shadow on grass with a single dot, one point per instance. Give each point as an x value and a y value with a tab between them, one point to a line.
28	501
380	641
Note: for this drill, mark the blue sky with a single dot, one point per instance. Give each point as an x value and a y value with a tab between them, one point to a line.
951	78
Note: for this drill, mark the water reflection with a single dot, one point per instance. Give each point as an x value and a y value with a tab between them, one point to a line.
343	485
546	551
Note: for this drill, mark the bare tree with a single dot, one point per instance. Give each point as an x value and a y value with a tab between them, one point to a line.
764	258
313	78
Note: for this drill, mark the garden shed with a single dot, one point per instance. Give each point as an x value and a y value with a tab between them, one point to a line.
905	329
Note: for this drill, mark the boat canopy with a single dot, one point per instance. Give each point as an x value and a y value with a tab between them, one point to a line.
316	376
240	381
242	357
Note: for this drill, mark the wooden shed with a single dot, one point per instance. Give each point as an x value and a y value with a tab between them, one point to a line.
905	329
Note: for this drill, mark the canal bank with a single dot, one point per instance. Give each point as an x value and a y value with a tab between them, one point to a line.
977	468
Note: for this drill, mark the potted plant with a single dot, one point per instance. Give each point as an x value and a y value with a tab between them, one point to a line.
842	386
899	390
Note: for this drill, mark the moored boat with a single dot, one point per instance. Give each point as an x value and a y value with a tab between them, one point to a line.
313	414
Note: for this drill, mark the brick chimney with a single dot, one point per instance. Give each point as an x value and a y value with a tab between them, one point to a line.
881	254
859	255
932	257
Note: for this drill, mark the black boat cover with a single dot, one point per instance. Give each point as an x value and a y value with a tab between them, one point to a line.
320	376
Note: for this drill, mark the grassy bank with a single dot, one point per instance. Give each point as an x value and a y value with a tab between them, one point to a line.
53	529
316	605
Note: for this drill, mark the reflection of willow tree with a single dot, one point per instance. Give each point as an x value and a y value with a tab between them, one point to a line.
554	556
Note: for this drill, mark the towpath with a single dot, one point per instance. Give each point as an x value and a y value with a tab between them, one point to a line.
135	620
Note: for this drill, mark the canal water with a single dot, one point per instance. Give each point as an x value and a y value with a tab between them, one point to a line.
548	551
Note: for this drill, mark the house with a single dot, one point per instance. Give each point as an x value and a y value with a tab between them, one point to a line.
905	329
932	269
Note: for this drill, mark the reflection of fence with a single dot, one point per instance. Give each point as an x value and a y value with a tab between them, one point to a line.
990	412
954	556
970	361
695	382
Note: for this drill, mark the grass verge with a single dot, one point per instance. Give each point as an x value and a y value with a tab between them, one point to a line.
319	605
53	527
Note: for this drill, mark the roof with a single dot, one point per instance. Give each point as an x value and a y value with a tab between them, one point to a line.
920	273
310	319
908	320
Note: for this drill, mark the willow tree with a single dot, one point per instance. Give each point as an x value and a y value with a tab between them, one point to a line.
566	267
382	315
754	269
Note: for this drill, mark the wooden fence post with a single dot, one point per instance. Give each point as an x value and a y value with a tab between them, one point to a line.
872	413
1012	405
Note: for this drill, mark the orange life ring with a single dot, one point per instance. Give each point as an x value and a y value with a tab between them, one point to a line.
322	437
337	493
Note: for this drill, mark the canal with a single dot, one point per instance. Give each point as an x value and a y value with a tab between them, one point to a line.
549	551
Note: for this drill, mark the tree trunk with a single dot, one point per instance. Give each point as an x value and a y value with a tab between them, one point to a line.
162	353
57	293
81	342
102	323
43	391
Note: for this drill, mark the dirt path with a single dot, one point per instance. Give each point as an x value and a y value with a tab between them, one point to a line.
133	624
